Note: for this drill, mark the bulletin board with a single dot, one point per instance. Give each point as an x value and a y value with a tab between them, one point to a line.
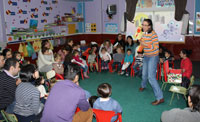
162	15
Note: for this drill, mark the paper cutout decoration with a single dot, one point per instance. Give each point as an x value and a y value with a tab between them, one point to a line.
23	21
54	1
45	14
12	3
34	9
44	2
22	11
36	45
73	10
34	15
49	8
71	28
43	21
27	1
8	12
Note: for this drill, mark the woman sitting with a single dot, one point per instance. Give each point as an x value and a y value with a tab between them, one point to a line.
45	57
186	66
27	96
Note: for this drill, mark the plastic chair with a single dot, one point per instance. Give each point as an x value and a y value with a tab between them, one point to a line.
180	90
59	77
8	117
109	64
106	116
167	71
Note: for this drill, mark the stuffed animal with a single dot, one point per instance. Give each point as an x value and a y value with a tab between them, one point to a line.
138	36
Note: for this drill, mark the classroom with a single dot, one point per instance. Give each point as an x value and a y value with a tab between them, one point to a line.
99	60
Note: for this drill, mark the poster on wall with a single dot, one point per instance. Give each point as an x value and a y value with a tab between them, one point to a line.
90	27
166	27
197	21
111	28
144	4
165	3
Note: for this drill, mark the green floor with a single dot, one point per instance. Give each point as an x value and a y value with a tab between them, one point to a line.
136	105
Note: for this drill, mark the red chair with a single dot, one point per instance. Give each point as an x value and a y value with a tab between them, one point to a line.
106	116
94	66
109	64
59	77
111	68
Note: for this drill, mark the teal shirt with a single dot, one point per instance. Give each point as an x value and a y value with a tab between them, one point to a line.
128	58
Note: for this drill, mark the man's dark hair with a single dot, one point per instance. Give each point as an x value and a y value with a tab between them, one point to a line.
26	73
71	71
104	90
10	62
4	52
194	93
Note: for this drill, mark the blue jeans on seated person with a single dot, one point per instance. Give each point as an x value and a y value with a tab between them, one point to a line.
104	63
85	69
118	65
149	74
137	69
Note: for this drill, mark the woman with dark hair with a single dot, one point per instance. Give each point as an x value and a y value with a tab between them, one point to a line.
191	114
119	41
7	53
186	66
130	44
68	56
27	95
45	57
151	57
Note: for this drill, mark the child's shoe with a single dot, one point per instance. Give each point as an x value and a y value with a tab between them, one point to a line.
127	74
122	73
85	75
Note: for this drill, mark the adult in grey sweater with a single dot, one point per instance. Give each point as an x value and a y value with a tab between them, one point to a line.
191	114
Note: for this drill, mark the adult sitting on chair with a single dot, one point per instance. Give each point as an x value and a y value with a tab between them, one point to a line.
191	114
65	97
8	84
186	66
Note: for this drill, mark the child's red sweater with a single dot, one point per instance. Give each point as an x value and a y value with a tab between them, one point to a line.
77	58
187	65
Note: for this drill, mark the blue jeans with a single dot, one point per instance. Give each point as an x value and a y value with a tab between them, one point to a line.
149	73
104	63
136	70
85	69
118	65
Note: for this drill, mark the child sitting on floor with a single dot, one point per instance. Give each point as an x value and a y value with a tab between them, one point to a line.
92	59
138	64
105	58
117	59
57	65
105	102
82	63
127	63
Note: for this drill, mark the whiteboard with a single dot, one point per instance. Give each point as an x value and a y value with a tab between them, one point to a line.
166	27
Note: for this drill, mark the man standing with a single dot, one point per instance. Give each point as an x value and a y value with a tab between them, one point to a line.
65	97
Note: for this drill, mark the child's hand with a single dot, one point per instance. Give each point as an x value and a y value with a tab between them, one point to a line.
140	65
129	62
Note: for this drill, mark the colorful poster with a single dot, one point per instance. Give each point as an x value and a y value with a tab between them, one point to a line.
144	4
197	21
111	28
165	3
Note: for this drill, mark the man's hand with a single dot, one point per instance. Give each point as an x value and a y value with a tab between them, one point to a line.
18	81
